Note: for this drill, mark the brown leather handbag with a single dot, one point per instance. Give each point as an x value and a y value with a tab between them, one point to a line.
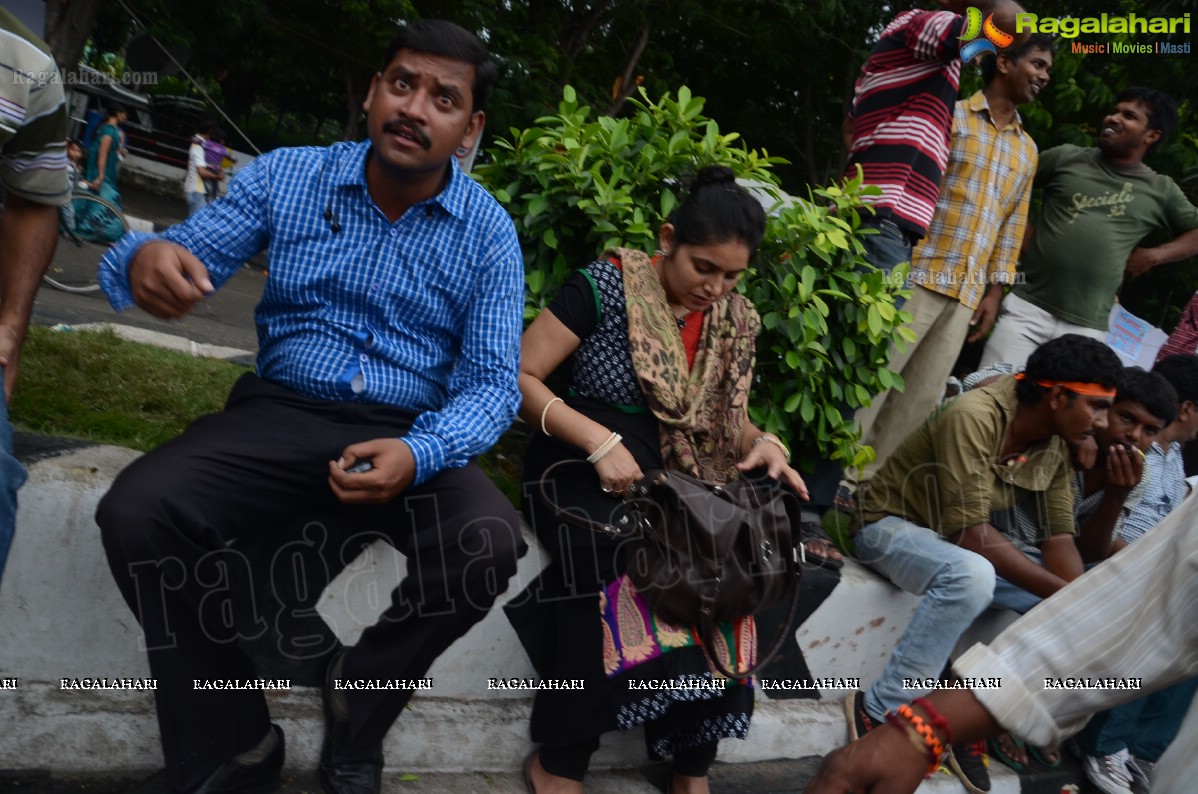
708	553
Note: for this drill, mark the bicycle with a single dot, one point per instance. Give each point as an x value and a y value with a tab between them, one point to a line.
90	225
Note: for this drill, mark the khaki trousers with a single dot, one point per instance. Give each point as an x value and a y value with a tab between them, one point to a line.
941	325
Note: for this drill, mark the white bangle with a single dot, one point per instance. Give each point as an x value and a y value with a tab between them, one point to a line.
545	412
775	441
604	448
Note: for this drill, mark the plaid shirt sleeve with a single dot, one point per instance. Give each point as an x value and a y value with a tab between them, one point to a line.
223	237
1010	239
483	395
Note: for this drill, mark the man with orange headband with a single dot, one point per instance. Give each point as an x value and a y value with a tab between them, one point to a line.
924	518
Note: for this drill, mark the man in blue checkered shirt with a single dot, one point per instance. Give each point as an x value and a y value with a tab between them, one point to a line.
389	338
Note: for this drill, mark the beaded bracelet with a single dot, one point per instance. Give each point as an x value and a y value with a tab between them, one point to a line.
916	741
545	412
938	720
935	747
604	448
775	441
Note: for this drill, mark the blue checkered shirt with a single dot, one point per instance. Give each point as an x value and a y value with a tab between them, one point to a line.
1166	487
424	314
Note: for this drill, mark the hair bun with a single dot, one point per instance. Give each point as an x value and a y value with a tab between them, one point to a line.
713	175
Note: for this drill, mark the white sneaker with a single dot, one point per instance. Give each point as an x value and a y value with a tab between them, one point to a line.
1109	773
1141	772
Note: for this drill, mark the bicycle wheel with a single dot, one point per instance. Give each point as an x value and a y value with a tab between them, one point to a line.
87	229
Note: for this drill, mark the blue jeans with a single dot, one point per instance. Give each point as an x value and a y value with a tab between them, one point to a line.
888	247
12	477
1145	726
956	584
1014	597
195	202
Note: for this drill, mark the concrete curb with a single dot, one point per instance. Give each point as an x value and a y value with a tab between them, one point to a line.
168	341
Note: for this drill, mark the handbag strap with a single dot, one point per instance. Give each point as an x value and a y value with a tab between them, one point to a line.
707	631
610	530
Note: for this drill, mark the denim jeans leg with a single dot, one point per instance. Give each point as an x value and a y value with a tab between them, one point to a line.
956	584
888	248
1013	597
195	202
12	476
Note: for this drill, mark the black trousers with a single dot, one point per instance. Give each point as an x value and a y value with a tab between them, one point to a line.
170	524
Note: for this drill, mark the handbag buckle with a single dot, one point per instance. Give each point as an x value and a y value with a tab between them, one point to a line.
800	553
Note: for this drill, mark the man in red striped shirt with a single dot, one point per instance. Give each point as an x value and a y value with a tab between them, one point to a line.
902	115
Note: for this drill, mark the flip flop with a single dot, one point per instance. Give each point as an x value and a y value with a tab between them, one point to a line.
1039	753
810	532
996	750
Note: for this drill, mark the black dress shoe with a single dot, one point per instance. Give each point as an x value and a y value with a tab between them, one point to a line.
345	768
230	777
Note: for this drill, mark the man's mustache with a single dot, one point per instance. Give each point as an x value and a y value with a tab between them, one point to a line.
407	127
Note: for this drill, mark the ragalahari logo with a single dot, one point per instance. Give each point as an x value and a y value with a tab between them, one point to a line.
992	39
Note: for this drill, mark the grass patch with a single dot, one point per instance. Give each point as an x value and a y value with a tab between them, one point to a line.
96	386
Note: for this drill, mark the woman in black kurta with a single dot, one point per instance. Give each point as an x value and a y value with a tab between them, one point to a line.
662	355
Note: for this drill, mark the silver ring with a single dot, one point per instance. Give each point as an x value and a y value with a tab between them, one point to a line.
605	489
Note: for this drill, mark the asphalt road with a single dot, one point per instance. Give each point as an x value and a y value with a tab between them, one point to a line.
224	319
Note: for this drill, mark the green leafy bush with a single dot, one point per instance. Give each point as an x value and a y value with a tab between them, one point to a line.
577	185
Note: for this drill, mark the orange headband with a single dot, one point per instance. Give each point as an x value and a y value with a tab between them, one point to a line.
1089	389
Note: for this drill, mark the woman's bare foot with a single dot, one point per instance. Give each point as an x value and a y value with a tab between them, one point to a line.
685	784
541	782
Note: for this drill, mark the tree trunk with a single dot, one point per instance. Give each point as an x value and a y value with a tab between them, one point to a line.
69	23
628	83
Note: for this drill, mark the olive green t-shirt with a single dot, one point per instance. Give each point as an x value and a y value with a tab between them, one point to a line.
1094	213
947	475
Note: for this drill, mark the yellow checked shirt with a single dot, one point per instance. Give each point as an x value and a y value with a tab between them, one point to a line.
976	233
947	475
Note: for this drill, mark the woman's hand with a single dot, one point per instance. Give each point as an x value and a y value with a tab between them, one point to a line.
770	457
617	470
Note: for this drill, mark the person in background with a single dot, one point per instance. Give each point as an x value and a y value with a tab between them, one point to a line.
215	154
971	246
1099	205
195	191
104	157
33	171
901	119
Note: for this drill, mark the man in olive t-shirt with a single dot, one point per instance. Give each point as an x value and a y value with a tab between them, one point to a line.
1099	205
925	515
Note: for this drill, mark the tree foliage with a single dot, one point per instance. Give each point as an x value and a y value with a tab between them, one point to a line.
580	182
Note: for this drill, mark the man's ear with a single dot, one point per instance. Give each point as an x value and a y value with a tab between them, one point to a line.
474	129
1151	137
374	82
1058	398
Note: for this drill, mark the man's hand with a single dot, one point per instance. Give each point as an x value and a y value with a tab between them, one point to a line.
882	761
1141	261
986	313
167	280
1124	467
392	470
